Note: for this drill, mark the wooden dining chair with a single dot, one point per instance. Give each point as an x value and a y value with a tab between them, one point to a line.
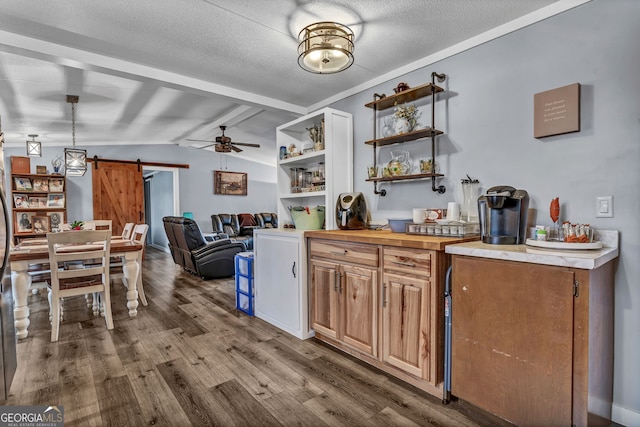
138	235
98	224
126	231
79	246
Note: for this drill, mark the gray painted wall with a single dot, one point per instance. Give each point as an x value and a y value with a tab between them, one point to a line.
196	182
487	115
161	205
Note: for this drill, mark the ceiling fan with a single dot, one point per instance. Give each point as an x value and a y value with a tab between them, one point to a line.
223	144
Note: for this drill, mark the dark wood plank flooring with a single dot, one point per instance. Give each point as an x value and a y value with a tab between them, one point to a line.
190	358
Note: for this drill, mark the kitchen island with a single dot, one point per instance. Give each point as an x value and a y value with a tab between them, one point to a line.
532	331
378	296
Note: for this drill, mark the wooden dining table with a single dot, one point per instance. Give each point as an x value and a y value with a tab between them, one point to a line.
35	251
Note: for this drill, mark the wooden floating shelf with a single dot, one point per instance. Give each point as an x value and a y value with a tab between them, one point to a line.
405	137
404	96
405	177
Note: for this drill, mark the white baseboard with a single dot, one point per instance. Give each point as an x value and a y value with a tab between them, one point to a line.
625	416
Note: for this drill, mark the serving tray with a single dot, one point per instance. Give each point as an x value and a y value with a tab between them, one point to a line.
562	245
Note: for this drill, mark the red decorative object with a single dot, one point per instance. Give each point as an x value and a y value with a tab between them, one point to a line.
401	87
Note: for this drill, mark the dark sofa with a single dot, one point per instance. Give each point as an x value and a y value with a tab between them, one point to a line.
208	260
239	227
229	224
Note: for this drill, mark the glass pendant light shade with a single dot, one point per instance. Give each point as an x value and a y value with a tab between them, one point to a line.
325	48
34	148
75	161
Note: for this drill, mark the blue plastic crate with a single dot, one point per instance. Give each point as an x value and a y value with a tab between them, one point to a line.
244	263
244	282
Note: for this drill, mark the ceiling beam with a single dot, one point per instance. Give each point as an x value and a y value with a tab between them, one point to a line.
72	57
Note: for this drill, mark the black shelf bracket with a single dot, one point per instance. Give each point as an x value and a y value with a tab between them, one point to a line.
440	76
376	96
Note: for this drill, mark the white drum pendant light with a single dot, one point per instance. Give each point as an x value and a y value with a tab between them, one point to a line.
325	47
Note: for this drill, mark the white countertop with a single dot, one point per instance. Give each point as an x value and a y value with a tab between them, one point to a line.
586	259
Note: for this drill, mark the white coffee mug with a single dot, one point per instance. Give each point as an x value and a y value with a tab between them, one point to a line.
419	215
453	211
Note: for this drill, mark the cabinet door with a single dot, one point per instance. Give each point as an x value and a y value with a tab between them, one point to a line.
512	339
359	302
278	282
324	297
405	323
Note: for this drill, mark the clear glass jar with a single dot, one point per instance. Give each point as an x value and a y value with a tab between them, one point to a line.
470	201
297	176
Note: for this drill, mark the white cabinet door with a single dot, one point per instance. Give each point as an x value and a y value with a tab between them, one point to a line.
280	281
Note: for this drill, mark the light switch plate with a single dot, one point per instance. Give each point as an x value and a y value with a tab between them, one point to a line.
604	207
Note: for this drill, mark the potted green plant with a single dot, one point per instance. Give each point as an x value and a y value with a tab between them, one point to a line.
76	225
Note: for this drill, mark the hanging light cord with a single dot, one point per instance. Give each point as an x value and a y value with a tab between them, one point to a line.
73	123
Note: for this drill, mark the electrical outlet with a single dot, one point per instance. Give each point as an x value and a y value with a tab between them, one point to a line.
604	207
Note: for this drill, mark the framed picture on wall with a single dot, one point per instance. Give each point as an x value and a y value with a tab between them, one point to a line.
56	184
56	219
56	201
230	183
40	184
37	202
41	224
22	183
21	201
24	221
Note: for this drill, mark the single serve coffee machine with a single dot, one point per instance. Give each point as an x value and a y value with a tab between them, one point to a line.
503	215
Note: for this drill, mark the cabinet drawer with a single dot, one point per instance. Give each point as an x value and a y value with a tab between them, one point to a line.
341	251
407	261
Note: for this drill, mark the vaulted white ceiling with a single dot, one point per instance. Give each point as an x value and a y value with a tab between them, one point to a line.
162	71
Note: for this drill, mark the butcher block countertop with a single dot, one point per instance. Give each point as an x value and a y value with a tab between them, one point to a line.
386	237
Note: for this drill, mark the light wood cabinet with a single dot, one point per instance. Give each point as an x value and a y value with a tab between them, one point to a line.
344	296
533	343
412	338
324	297
405	319
383	304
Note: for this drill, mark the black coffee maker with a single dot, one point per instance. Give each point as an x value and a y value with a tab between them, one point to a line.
503	215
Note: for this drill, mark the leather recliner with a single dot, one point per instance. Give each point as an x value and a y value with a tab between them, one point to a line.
230	225
208	260
266	220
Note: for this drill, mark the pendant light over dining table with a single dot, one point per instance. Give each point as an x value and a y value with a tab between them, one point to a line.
34	148
75	159
325	47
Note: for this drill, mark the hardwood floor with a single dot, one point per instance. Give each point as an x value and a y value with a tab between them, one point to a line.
190	358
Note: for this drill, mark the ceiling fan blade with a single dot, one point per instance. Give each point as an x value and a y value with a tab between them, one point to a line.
236	149
246	144
201	140
205	146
